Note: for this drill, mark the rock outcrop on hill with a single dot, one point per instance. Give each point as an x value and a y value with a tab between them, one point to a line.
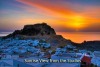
36	29
40	31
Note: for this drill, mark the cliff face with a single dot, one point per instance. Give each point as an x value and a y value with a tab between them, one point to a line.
36	29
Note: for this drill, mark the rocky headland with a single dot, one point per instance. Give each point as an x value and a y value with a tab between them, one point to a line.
44	31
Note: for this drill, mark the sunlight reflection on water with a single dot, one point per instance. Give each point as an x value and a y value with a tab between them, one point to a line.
80	36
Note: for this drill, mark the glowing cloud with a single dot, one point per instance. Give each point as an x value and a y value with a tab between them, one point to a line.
70	15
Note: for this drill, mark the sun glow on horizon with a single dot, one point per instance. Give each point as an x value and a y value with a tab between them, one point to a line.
76	22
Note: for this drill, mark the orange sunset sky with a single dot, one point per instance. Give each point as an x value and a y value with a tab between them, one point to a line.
62	15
